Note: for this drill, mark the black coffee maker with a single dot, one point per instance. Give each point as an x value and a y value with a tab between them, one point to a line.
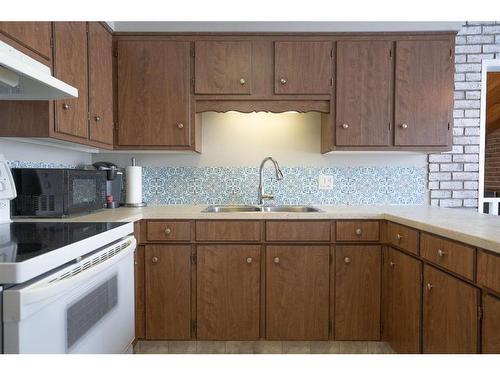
114	183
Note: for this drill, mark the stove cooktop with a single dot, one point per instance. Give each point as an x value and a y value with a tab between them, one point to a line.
21	241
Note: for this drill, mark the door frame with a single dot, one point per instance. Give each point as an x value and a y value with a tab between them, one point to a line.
487	66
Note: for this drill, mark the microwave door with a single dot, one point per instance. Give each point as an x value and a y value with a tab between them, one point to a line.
85	192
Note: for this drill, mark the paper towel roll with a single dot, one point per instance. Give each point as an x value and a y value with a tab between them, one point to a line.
133	185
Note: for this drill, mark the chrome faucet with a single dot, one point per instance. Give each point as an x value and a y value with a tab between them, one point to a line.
279	176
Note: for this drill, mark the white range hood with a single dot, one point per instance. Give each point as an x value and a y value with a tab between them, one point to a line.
23	78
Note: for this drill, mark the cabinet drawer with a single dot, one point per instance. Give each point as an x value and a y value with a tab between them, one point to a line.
244	231
357	231
168	231
290	231
488	270
403	237
451	255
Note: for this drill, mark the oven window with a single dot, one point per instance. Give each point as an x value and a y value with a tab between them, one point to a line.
84	190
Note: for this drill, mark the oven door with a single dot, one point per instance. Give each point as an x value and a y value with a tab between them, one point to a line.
86	191
87	307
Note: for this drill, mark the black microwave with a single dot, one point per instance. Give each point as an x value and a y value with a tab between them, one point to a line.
47	192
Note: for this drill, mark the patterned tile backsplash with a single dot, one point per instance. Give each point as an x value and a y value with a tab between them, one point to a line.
233	185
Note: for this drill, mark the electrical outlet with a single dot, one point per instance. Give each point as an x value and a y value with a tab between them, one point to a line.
325	182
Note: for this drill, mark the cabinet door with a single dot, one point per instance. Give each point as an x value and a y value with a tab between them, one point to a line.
34	35
228	292
302	67
101	84
297	292
491	325
223	67
357	292
363	111
168	292
70	66
153	93
450	320
401	301
424	93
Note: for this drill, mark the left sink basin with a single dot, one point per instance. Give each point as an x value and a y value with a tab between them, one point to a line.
232	208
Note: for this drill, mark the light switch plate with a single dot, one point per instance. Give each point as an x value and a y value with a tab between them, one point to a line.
325	182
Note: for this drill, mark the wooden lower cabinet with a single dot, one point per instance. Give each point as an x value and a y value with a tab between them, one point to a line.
168	292
450	314
228	292
491	324
297	292
401	301
357	292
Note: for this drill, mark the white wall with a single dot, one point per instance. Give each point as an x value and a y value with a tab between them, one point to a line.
13	150
237	139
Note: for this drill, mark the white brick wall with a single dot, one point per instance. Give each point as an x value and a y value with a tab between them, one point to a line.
453	176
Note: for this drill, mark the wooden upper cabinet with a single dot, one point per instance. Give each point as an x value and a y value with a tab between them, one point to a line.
401	301
423	93
223	67
228	292
297	292
34	35
153	93
302	67
357	292
100	46
363	110
70	66
450	314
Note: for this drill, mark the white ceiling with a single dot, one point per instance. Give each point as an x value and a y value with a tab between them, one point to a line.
139	26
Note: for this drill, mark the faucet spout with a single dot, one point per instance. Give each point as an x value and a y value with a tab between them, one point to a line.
279	176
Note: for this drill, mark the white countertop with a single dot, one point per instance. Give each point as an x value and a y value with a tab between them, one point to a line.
463	225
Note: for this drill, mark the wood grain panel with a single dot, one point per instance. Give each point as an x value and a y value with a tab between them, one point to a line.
34	35
140	303
70	66
100	83
291	231
221	65
402	237
451	255
168	292
297	292
401	301
363	111
222	230
25	118
355	230
153	93
306	66
357	292
228	292
168	230
488	270
424	89
450	314
491	325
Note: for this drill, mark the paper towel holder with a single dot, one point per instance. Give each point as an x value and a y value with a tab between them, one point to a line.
140	204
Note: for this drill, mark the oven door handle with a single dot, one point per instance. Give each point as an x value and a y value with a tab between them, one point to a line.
58	287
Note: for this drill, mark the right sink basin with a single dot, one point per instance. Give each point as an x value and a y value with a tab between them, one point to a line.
289	208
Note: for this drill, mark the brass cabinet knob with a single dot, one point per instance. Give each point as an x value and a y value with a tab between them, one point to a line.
249	260
154	259
441	252
66	106
345	126
180	125
283	80
429	286
98	118
276	260
358	232
392	264
399	237
242	81
347	260
404	126
168	231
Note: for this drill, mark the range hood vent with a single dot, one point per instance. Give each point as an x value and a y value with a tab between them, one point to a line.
23	78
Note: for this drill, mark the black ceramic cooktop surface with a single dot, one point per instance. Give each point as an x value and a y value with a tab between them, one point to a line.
21	241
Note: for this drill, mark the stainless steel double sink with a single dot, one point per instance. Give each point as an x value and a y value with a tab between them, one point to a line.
248	208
